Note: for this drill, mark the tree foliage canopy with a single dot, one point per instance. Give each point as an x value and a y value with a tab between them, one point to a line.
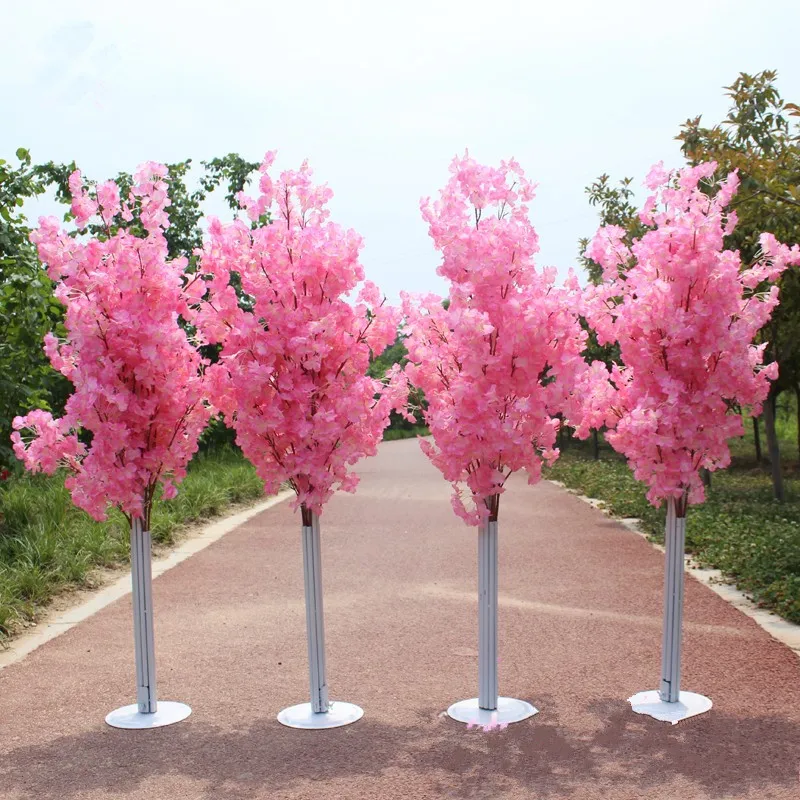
760	138
28	309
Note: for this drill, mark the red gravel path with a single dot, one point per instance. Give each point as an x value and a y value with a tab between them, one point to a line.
580	609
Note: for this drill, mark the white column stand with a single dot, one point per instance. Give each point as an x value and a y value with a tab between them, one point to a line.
320	712
669	703
488	710
147	712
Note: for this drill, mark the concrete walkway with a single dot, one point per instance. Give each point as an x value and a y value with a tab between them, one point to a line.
580	621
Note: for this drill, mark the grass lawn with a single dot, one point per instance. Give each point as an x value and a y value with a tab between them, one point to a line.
46	544
740	529
393	434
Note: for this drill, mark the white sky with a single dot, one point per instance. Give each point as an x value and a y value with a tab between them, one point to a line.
381	96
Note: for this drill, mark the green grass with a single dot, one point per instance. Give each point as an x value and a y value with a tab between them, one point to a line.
47	545
740	529
392	434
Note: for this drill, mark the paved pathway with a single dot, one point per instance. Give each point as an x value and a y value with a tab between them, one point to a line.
580	617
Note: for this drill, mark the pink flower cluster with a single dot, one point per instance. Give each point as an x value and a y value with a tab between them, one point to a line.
685	312
138	381
492	725
499	364
291	379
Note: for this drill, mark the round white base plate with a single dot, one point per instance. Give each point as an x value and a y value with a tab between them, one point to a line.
689	705
302	716
166	713
508	710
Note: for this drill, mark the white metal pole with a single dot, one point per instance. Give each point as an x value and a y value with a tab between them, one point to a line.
669	689
668	703
320	712
141	577
489	710
312	570
487	615
147	712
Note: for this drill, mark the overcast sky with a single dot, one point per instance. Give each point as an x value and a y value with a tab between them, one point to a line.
380	96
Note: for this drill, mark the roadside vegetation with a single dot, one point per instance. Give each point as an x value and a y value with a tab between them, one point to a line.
741	529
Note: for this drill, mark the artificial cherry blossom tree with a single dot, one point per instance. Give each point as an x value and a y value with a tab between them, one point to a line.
496	367
291	377
138	386
685	312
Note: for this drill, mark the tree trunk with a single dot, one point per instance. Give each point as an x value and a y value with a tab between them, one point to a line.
146	696
675	543
705	476
315	626
773	448
757	440
320	712
147	712
595	444
797	394
489	710
487	615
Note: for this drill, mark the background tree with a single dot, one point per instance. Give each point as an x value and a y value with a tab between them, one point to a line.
381	366
759	139
184	235
28	309
615	207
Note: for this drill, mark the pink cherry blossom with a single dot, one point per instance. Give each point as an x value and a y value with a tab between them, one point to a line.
685	312
499	364
138	381
291	378
487	727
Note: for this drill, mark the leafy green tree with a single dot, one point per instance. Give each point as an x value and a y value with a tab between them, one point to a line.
761	139
184	234
398	354
186	209
28	309
394	354
615	206
379	365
